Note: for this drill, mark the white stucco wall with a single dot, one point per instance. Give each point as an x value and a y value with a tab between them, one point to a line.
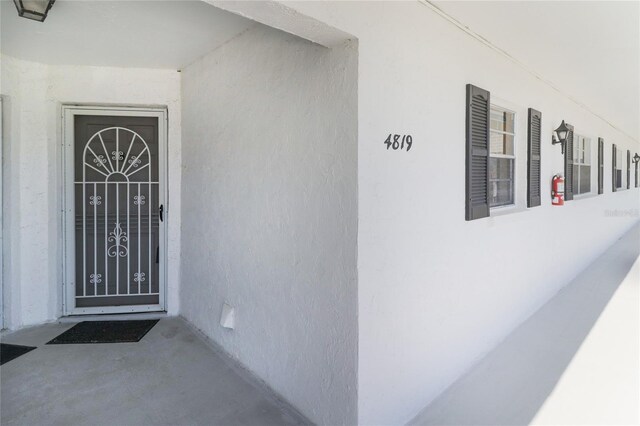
269	213
34	94
266	120
436	293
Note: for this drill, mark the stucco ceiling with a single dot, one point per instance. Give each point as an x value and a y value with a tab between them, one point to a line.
589	50
149	34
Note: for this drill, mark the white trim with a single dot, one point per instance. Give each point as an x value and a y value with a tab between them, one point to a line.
1	222
68	114
514	157
508	210
511	157
585	195
113	317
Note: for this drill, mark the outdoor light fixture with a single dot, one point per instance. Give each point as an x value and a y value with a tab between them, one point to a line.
636	158
560	135
34	9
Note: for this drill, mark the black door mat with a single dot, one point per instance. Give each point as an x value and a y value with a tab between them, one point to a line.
105	332
9	352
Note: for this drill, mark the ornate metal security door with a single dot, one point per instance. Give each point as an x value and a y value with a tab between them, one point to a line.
118	214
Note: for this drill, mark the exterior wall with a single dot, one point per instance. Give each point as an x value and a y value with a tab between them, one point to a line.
435	292
33	176
270	214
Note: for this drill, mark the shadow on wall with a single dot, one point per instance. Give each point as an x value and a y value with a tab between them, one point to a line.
511	384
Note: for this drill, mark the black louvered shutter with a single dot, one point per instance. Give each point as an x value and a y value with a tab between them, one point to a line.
533	158
568	165
600	165
613	165
628	169
477	161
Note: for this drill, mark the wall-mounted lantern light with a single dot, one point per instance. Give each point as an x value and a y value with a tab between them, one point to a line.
636	158
34	9
560	136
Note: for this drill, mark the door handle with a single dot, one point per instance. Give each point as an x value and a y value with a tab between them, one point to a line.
161	211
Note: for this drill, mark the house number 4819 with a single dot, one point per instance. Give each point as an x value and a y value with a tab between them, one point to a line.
400	142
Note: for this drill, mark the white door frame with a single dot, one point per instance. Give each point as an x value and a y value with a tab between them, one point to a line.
1	225
68	223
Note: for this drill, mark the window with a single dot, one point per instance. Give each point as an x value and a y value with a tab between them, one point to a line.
568	164
628	169
600	166
581	164
502	157
618	169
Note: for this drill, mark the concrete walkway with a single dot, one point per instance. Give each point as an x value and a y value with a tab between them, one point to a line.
574	362
170	377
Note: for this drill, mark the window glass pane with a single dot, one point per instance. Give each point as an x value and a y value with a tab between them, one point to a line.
497	120
581	150
576	179
585	179
501	193
587	151
500	168
500	181
509	122
501	144
502	120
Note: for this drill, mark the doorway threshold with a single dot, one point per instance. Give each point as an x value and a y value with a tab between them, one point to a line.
113	317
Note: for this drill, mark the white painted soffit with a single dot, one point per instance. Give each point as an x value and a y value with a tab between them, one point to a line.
587	50
276	15
166	34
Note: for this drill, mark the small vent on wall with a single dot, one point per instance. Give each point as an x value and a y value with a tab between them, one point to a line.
228	316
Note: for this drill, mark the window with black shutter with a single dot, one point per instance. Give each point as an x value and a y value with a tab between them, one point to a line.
581	164
628	169
533	158
568	165
477	155
600	165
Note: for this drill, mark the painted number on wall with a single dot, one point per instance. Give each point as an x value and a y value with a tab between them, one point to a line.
398	142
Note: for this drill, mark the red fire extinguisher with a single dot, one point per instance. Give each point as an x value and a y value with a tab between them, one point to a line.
557	190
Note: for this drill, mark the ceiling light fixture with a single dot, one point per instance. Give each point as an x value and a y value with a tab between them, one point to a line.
34	9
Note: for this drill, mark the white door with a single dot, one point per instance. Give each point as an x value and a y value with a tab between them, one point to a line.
115	208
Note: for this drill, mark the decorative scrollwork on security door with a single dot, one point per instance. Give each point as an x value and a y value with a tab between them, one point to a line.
115	219
134	161
118	237
99	160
